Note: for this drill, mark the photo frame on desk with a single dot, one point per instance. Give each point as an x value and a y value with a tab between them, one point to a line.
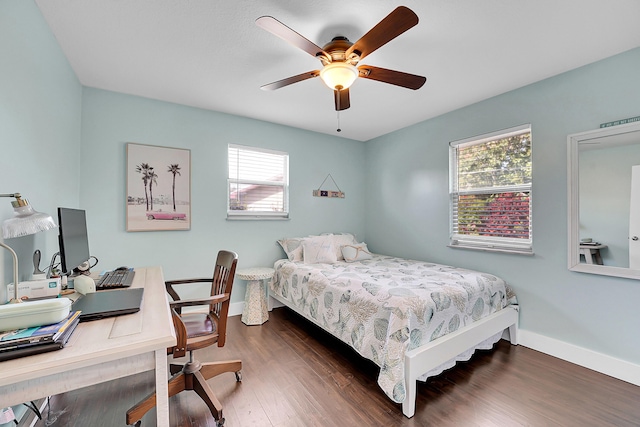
158	188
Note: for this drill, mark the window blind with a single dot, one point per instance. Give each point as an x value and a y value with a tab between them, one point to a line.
490	194
258	182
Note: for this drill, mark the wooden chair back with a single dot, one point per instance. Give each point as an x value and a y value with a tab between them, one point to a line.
211	327
222	284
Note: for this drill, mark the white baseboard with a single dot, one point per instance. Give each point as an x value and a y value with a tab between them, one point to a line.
235	308
274	303
616	368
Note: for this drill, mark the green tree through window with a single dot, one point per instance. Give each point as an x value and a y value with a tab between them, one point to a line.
491	191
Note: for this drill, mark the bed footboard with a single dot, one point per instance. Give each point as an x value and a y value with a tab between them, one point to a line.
434	354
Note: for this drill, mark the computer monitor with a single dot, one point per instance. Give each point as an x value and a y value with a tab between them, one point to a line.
73	240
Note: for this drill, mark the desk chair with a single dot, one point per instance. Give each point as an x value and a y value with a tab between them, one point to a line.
195	331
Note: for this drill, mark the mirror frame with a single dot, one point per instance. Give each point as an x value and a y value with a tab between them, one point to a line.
573	169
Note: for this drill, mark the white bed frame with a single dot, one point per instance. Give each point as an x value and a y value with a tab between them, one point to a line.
435	353
427	357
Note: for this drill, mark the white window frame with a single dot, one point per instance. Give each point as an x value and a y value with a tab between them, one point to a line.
487	243
249	215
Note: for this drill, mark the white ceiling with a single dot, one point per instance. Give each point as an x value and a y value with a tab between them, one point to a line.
210	54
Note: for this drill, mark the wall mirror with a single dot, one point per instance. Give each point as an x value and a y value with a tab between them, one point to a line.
604	201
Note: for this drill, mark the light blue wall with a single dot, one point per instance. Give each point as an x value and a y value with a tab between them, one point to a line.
110	120
605	199
407	201
64	145
40	114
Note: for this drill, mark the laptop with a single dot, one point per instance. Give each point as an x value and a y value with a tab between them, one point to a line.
98	305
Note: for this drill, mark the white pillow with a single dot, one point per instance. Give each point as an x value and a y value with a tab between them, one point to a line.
356	252
292	247
318	249
340	240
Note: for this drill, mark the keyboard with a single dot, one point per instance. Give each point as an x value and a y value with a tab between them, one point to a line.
116	279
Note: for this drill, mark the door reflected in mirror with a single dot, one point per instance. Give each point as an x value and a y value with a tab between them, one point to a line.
604	201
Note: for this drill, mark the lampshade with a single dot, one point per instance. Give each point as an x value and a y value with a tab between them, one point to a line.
339	75
26	220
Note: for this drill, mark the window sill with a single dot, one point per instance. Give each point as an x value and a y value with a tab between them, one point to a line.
527	252
257	218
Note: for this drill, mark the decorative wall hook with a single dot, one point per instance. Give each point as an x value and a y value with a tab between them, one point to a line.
328	193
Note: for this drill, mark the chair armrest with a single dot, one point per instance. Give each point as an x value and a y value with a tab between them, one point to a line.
169	286
181	281
215	299
180	348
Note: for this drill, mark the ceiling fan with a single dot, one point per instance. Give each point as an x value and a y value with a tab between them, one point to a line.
340	57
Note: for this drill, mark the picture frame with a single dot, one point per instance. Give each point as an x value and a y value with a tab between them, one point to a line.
158	193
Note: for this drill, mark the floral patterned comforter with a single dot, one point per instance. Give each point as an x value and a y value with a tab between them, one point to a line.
385	306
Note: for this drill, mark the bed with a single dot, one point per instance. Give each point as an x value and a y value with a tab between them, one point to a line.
414	319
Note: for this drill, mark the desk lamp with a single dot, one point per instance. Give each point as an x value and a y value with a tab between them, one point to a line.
26	221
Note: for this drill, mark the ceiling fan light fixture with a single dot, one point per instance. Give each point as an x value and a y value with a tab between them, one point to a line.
339	75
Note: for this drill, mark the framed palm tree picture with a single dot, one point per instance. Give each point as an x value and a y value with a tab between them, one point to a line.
158	188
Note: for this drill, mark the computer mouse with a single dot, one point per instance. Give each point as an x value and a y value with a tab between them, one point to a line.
123	268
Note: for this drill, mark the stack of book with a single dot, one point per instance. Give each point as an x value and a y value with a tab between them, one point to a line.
39	339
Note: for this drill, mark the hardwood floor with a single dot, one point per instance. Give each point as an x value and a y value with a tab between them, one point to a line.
294	374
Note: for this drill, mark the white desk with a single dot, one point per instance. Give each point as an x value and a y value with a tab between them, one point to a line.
100	351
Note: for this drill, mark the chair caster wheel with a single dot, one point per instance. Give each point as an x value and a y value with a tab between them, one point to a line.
239	376
220	422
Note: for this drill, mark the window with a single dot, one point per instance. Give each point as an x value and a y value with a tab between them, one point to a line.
490	191
258	183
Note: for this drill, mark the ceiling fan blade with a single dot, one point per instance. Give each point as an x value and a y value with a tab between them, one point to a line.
290	80
341	98
277	28
398	78
396	23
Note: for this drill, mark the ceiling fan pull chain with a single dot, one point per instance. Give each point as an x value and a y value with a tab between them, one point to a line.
337	94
